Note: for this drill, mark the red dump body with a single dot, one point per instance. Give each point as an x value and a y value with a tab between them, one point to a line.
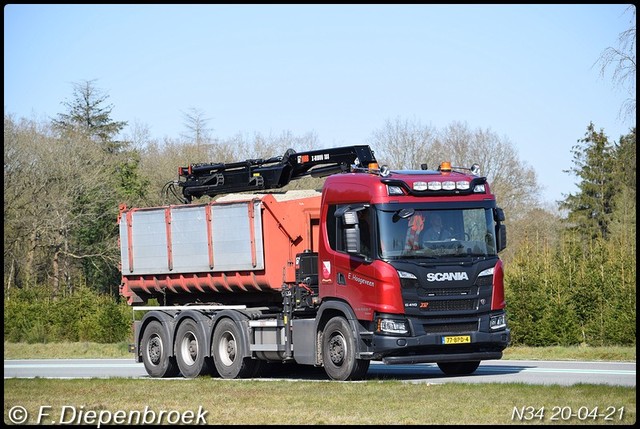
241	247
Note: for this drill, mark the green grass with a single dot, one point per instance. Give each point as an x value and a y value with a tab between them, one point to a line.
314	402
286	402
586	353
85	350
120	350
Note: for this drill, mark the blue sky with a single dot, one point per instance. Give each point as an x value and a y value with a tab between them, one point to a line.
526	72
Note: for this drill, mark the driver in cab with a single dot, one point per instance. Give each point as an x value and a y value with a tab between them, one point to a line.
436	232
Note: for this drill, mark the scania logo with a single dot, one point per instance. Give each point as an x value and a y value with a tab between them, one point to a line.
447	277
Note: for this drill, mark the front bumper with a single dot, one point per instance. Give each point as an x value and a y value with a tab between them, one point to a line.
429	348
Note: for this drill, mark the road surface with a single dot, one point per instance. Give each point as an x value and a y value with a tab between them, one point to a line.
495	371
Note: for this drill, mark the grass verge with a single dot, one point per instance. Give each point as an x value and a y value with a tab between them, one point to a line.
238	402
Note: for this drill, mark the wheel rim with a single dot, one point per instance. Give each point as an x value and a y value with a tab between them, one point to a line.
189	348
154	349
337	349
227	349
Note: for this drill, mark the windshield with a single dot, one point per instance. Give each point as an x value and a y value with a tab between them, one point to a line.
418	233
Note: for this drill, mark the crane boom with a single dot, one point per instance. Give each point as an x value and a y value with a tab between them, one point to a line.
261	174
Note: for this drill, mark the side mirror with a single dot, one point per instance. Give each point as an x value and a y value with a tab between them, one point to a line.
351	229
498	214
501	237
352	239
403	214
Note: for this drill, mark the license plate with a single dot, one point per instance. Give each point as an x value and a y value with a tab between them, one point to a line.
458	339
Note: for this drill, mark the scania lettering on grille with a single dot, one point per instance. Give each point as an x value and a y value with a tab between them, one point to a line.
447	277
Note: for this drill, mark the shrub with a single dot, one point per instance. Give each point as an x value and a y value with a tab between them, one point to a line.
31	315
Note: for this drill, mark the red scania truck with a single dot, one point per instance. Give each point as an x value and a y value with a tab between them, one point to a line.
331	279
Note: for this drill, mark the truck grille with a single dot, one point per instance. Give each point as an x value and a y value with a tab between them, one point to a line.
484	281
456	291
451	305
453	328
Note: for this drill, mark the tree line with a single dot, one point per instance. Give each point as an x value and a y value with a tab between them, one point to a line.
570	276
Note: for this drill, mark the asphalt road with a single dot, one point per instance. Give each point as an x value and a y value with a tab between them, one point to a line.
495	371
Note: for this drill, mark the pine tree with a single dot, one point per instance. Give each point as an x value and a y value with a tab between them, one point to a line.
88	115
591	207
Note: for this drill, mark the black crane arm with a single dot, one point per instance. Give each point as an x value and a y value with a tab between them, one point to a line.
198	180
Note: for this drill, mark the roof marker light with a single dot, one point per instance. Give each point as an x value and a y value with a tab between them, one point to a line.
419	186
445	166
462	185
448	185
435	186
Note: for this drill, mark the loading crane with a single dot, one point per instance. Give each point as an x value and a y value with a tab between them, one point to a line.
211	179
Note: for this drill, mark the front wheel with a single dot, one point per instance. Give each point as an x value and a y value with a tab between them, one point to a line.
458	368
339	352
155	347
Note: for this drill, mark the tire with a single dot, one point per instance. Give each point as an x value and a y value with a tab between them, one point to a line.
459	368
339	352
227	349
213	371
155	347
190	351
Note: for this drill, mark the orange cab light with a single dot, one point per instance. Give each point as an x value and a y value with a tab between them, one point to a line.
373	166
445	166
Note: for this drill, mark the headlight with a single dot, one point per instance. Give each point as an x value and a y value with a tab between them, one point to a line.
392	326
498	322
406	275
487	272
407	280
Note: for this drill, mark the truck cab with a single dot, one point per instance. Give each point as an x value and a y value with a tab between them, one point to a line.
417	298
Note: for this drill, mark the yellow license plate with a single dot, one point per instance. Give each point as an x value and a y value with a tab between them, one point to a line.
458	339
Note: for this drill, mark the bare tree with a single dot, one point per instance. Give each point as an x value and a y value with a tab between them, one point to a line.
55	192
139	135
512	180
404	144
623	60
196	124
160	162
23	183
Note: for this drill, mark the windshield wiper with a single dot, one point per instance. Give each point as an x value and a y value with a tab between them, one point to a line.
418	257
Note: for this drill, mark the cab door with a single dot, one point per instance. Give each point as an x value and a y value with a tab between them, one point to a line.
353	272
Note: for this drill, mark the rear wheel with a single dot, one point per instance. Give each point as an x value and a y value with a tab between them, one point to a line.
339	352
189	348
458	368
227	349
155	346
